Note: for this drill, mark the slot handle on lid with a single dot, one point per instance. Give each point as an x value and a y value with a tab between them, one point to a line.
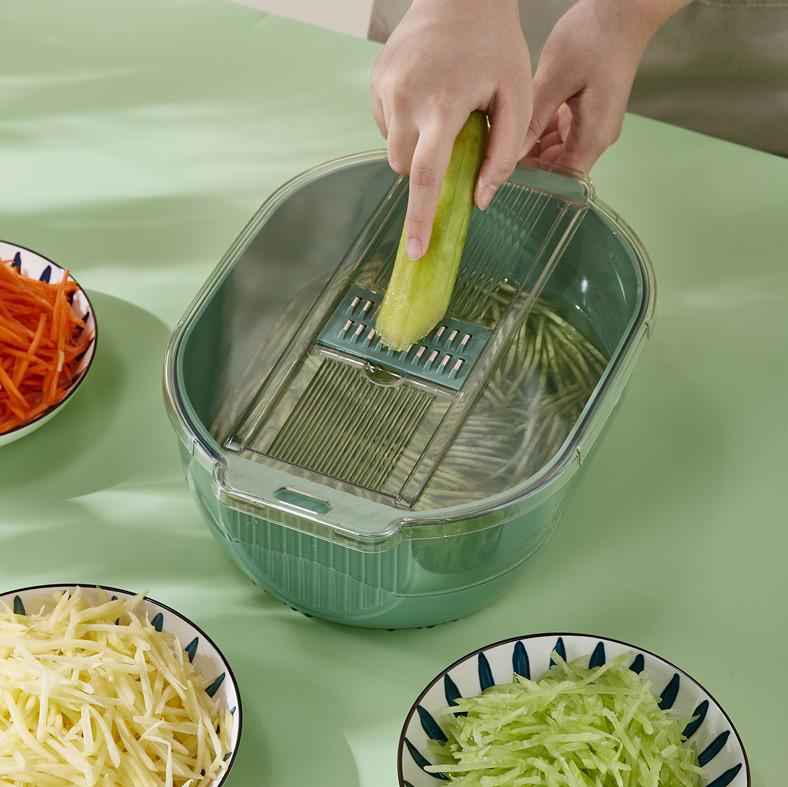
302	500
272	494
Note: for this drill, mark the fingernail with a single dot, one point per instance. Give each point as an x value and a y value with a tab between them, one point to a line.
414	248
488	192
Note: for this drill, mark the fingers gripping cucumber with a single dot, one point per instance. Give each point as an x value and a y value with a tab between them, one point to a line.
419	291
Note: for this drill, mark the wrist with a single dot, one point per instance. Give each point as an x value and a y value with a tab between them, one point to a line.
656	12
643	17
630	22
449	6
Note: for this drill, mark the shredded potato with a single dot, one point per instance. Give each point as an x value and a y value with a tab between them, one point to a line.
92	694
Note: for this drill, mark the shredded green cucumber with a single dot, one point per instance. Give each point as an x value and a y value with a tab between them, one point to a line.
576	727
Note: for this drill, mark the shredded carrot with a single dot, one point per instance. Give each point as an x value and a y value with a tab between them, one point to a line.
42	342
22	364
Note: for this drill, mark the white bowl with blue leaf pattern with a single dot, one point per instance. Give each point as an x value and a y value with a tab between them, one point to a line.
720	749
200	649
36	266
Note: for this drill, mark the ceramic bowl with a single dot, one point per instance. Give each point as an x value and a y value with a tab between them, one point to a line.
721	752
202	652
35	266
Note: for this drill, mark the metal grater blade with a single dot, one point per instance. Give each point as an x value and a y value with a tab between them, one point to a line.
347	427
445	357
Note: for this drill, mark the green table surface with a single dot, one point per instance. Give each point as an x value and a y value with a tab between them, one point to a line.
137	138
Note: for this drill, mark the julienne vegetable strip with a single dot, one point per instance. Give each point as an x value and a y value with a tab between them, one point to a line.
42	342
576	727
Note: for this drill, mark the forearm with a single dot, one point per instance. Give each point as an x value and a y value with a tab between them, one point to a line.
654	13
638	19
470	12
451	5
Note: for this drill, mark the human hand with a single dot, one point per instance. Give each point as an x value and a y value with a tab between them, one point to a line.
446	59
585	75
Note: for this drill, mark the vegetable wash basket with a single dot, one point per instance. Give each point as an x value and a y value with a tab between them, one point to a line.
397	490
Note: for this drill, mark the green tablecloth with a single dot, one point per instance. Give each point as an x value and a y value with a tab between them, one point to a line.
137	138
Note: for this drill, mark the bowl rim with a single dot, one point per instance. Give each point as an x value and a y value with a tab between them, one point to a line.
85	371
539	635
169	609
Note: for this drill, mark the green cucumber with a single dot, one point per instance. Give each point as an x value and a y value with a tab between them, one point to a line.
419	291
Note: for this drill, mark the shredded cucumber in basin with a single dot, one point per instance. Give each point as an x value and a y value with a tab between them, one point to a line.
576	727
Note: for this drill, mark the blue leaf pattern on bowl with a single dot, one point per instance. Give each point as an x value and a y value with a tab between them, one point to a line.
214	687
191	649
560	649
450	690
485	673
700	715
713	749
520	663
422	761
598	656
430	726
669	693
726	778
638	664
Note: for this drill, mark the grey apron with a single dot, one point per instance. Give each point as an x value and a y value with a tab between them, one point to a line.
718	66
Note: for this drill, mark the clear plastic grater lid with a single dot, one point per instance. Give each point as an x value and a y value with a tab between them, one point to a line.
340	411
